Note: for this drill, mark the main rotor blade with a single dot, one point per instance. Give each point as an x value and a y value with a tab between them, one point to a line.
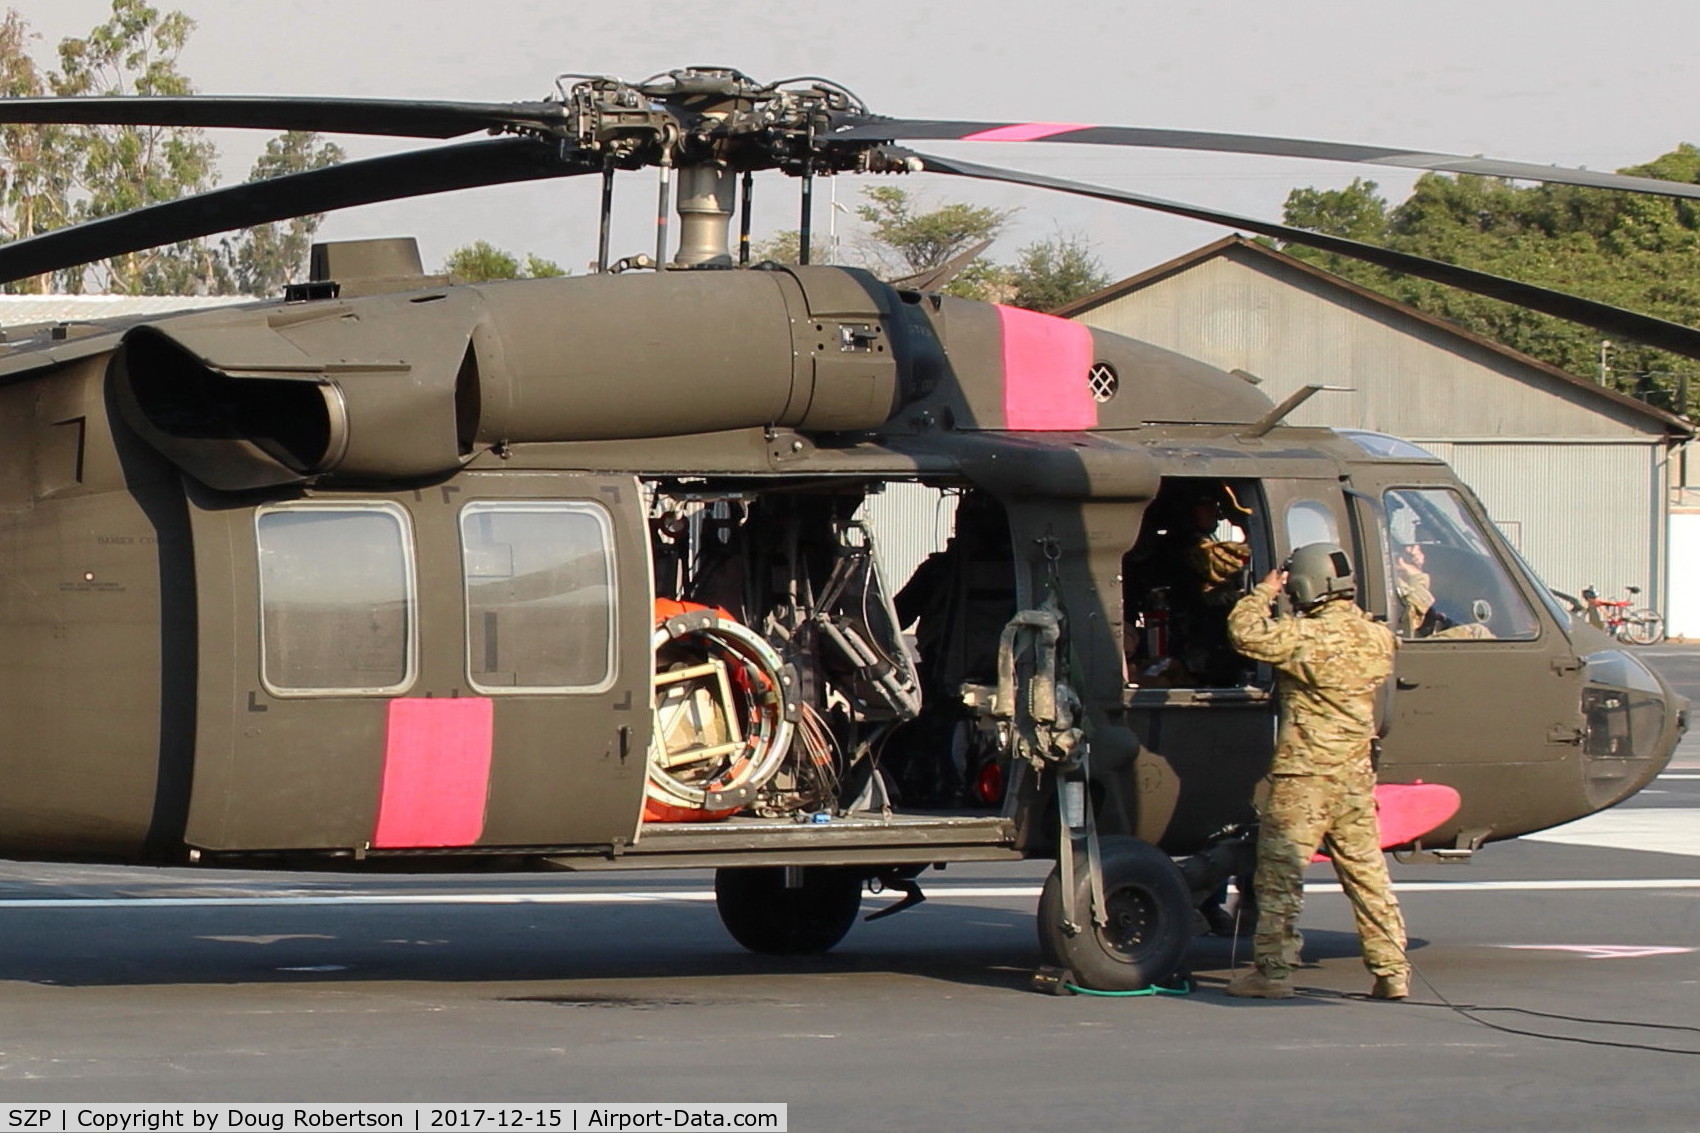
1665	335
418	173
391	117
917	130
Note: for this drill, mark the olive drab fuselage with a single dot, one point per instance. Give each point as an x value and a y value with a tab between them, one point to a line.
373	580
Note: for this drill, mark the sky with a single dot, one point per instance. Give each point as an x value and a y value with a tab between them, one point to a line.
1550	81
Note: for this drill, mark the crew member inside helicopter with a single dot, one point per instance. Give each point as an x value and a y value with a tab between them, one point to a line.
958	602
1438	579
1411	586
1179	581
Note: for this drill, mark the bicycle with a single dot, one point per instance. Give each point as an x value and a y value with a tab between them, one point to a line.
1638	626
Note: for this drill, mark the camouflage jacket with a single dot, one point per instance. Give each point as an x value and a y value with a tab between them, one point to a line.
1216	564
1329	664
1412	589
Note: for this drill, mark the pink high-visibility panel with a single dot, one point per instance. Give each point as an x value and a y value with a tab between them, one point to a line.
1045	366
1407	811
436	772
1023	132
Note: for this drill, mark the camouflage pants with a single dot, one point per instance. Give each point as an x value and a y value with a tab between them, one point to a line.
1304	813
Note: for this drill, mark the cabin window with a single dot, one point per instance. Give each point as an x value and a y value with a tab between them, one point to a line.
1447	581
336	598
1310	521
539	596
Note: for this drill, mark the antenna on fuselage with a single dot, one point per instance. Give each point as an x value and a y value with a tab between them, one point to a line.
1297	398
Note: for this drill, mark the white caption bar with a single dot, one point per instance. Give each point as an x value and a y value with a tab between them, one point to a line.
158	1117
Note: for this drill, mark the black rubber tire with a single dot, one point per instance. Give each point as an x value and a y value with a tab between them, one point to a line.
1150	919
764	916
1643	627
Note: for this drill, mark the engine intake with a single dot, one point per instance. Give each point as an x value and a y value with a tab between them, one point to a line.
406	386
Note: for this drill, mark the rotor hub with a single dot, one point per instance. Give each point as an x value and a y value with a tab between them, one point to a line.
712	116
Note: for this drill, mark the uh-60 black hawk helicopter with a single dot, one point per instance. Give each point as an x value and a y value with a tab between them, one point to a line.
397	572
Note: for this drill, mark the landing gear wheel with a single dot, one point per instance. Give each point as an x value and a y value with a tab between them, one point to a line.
1149	912
765	916
1643	627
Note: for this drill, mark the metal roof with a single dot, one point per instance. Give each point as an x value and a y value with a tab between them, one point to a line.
1237	244
21	310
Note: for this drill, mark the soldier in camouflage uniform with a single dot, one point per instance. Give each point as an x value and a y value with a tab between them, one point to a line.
1330	661
1215	564
1207	570
1411	587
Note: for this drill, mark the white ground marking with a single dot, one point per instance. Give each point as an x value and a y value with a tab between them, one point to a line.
941	893
1664	830
317	968
1603	951
1602	884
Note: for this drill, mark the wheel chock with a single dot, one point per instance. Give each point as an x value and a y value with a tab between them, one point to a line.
1049	980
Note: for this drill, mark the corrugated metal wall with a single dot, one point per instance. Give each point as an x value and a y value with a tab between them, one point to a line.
1408	377
1580	513
908	522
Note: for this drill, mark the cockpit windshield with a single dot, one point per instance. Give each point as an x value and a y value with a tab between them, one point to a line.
1381	444
1561	613
1448	581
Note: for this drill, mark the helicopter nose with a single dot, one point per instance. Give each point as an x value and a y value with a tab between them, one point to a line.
1631	723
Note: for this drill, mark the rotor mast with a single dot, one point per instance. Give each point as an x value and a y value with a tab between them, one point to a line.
706	197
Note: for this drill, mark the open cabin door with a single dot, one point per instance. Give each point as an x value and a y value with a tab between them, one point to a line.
1204	715
461	666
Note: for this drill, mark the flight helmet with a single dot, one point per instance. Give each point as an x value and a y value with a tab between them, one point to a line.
1317	572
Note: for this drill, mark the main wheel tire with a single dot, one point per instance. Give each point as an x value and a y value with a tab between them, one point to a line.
1149	914
764	916
1643	627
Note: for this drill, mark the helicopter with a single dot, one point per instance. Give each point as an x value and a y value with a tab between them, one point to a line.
395	572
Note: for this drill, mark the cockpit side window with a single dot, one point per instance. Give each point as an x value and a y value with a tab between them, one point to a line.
1448	583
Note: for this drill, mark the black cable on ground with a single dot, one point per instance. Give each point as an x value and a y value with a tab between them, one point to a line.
1470	1012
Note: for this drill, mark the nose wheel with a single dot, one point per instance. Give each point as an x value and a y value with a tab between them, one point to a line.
1133	922
1141	935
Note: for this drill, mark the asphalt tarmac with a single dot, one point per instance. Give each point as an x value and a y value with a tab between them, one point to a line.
1558	988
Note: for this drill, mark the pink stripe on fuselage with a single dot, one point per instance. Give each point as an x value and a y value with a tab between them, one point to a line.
436	772
1024	132
1045	365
